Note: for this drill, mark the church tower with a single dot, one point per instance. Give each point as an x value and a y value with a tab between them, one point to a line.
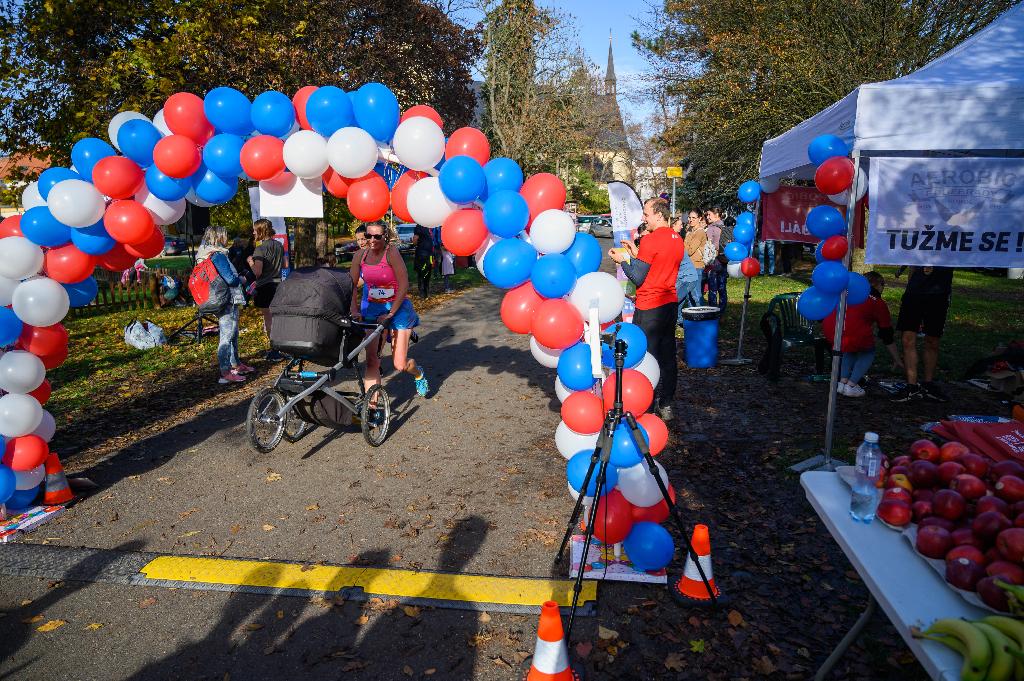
611	154
609	73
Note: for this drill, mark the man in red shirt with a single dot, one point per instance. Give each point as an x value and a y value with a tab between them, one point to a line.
654	271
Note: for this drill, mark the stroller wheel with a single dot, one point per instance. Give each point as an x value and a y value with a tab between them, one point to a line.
264	426
295	428
376	419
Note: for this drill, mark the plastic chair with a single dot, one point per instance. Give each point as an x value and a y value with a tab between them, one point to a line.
797	330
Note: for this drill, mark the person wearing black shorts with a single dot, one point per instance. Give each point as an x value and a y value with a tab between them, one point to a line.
266	262
923	308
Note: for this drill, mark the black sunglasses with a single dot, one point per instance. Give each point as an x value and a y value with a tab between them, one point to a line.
375	236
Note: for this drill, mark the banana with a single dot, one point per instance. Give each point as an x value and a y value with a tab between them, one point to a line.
1014	630
978	651
1002	665
1015	596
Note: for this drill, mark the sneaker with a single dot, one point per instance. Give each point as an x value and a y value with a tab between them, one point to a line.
230	377
421	384
841	387
244	369
273	356
854	390
933	392
909	393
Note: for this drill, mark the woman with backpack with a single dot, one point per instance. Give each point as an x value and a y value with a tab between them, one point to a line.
214	247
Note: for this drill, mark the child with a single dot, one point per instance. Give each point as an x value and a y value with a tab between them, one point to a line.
858	345
447	268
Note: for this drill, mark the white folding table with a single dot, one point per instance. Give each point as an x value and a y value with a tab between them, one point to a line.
910	592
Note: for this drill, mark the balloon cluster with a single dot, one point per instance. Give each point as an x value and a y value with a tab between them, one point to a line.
743	234
834	177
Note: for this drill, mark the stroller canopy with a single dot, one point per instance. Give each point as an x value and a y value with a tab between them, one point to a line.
315	293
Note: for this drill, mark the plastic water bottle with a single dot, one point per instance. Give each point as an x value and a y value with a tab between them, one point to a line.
865	493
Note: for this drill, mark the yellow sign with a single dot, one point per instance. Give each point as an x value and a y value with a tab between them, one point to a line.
674	171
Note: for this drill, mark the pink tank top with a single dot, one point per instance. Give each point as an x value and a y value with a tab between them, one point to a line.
380	279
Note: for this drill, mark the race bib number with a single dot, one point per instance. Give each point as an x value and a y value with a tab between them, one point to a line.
381	295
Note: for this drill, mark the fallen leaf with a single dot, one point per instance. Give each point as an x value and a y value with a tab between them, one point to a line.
166	481
674	662
363	619
235	529
313	507
407	670
51	625
803	652
736	619
32	620
273	477
500	662
584	648
93	626
411	610
25	602
147	602
697	646
185	514
267	527
280	614
354	665
253	626
189	534
483	617
606	634
430	672
764	666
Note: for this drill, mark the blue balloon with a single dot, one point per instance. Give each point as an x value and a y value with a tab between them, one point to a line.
328	110
830	277
824	147
137	138
7	483
736	251
749	191
584	254
87	153
82	293
23	498
10	328
818	257
228	110
816	305
743	234
574	369
41	228
825	221
505	212
272	113
636	344
625	452
746	218
213	188
166	188
223	154
858	289
503	173
462	180
51	176
649	546
553	275
93	240
509	262
576	471
376	110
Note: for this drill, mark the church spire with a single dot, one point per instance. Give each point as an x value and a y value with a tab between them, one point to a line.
609	74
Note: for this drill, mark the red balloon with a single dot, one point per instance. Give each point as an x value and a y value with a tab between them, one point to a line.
400	196
750	267
177	156
425	111
655	514
468	142
614	519
835	175
542	192
150	248
117	259
128	222
55	359
657	432
557	324
583	412
117	177
183	114
42	393
637	393
336	184
369	198
11	226
263	157
299	102
43	340
68	265
463	231
25	453
519	306
834	247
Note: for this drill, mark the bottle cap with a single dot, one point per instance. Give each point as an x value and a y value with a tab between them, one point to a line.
871	437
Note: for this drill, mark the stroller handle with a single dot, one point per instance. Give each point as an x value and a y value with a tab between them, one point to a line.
370	337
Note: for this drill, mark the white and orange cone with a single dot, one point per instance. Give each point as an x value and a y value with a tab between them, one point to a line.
57	490
690	587
550	657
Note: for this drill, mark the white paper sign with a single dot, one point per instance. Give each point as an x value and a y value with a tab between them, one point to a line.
288	196
254	206
952	212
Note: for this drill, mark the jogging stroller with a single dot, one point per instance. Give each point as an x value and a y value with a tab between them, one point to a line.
311	325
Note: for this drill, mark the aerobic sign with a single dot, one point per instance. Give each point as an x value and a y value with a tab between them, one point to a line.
956	212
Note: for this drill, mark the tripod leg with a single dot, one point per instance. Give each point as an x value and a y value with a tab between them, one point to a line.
588	537
579	500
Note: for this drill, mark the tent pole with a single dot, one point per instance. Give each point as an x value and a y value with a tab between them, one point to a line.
740	360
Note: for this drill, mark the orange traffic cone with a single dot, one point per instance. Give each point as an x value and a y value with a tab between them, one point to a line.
690	587
550	657
57	490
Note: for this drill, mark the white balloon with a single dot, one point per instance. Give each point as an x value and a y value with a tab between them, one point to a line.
194	199
427	204
120	119
31	478
40	302
161	124
552	231
648	366
560	390
569	442
733	268
769	185
19	258
544	355
862	183
352	152
7	287
478	257
163	212
842	198
30	197
638	485
19	415
419	143
76	203
21	372
572	493
46	428
305	154
603	288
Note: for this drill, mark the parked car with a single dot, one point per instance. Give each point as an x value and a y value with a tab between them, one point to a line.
598	225
174	246
405	233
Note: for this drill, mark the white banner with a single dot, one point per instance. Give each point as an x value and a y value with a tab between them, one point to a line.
953	212
627	214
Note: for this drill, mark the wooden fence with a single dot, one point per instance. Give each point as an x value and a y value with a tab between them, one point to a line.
138	293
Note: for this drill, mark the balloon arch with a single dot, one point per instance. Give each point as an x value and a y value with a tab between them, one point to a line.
108	208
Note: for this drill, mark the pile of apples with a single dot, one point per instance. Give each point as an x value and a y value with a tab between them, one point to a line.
969	512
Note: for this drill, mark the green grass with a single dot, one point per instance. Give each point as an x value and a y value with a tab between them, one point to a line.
171	262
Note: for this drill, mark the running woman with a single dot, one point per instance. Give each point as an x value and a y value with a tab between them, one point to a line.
382	271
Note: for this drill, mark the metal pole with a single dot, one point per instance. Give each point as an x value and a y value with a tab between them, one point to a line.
673	218
740	360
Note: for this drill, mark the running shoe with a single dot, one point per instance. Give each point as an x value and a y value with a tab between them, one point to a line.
910	393
230	377
244	369
854	390
274	356
421	384
933	392
841	388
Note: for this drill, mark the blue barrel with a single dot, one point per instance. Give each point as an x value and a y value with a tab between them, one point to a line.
700	336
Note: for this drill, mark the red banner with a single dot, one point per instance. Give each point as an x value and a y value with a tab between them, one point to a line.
785	211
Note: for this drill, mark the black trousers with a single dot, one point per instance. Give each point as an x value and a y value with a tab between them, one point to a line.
659	325
422	265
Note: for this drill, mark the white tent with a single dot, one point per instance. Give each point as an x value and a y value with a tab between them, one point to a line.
971	98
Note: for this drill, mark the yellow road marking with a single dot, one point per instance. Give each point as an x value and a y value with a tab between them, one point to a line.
384	581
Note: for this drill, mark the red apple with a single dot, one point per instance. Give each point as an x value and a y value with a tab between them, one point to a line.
1010	572
991	503
902	461
1019	520
964	536
1010	488
933	541
1011	544
951	451
976	465
895	513
963	573
898	494
936	521
969	486
921	510
992	594
972	553
900	470
923	494
924	450
1008	467
1016	508
949	504
923	474
949	470
990	523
